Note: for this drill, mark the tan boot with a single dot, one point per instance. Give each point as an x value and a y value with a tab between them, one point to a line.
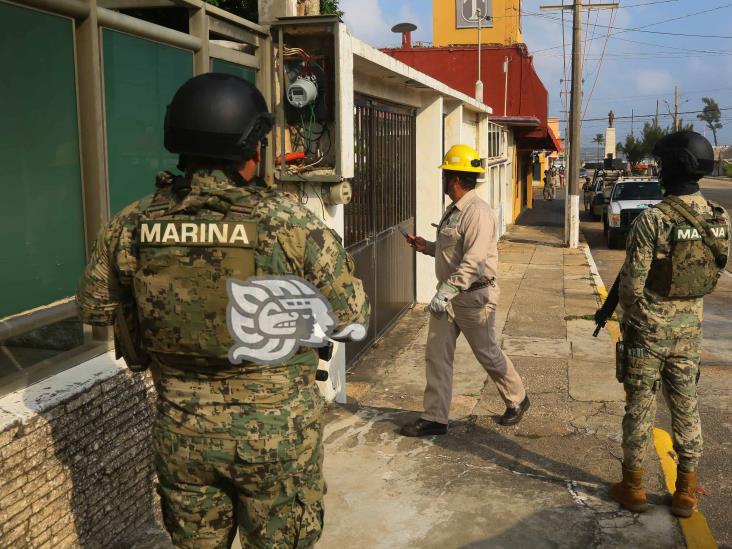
684	501
629	492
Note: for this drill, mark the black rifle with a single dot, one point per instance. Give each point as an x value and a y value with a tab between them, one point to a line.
608	307
127	337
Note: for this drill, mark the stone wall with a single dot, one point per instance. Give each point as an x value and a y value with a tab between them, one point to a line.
78	470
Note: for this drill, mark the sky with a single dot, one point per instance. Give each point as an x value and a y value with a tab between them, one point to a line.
637	67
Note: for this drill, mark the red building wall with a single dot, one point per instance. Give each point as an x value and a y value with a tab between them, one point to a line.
458	68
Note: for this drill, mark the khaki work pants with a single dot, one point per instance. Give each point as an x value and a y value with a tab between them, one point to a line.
478	325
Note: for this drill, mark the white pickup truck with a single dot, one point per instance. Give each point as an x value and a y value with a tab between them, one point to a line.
628	198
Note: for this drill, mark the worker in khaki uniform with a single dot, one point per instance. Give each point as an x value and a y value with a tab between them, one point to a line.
466	265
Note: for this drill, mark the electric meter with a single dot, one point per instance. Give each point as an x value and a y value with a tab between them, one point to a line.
337	193
302	92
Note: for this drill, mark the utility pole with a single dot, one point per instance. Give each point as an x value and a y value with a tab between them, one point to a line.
571	226
656	121
676	108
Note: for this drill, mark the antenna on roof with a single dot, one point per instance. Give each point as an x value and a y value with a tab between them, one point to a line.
406	30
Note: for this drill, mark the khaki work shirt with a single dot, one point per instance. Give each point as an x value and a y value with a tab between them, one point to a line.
466	249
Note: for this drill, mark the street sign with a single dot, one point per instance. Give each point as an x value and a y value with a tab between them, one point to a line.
466	10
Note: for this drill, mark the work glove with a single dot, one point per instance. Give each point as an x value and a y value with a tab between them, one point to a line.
441	301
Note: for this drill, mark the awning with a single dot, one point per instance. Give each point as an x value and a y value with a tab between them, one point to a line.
534	141
516	121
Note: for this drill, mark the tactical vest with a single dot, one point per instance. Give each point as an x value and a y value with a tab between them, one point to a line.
697	256
187	253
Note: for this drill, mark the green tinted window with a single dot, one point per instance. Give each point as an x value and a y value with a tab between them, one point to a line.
237	70
140	79
41	219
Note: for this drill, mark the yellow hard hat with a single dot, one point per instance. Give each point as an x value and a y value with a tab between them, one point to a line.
462	158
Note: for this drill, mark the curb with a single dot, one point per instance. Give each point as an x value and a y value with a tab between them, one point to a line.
695	529
612	326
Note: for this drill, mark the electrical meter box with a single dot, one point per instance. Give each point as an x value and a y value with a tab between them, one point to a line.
312	92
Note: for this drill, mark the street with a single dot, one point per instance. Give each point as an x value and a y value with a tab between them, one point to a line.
715	385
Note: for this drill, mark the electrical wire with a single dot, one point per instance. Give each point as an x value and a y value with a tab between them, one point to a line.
622	30
642	29
585	49
539	14
565	98
599	65
651	115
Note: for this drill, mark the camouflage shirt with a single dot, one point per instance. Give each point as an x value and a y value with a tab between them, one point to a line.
650	238
247	401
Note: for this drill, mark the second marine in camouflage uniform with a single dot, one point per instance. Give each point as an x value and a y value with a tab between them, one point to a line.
236	446
667	270
662	343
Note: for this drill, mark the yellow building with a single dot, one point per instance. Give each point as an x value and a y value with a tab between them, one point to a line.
553	123
451	22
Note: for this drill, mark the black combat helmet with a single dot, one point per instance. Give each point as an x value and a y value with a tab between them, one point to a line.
684	155
217	116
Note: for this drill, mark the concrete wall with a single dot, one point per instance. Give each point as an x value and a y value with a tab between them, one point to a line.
75	459
76	465
429	189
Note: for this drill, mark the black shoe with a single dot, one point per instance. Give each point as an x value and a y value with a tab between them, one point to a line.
423	428
513	415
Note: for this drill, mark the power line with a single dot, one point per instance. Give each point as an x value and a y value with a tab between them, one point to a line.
674	33
599	65
727	52
652	55
622	30
648	115
535	14
646	4
564	65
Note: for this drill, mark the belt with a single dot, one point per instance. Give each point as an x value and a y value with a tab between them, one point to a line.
478	285
186	361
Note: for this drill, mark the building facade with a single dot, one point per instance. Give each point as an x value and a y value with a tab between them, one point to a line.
510	83
82	136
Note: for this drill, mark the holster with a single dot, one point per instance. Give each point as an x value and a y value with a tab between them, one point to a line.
620	361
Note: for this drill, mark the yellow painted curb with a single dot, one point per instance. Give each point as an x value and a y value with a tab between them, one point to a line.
695	528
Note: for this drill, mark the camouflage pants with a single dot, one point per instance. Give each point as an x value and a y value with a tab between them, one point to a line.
672	365
270	488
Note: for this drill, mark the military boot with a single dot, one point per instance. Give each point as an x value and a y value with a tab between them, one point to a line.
684	501
629	492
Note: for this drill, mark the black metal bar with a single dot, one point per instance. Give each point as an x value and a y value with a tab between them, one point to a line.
384	197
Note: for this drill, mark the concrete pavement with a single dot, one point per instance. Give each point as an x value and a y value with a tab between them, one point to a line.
541	483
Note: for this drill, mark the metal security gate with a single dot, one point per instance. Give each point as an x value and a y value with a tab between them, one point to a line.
383	200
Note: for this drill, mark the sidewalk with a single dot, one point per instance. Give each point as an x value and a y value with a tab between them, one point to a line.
541	483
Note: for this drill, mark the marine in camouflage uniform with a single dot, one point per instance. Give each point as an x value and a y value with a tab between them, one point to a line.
662	343
662	335
235	446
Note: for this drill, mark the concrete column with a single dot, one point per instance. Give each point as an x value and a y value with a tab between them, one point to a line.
269	10
198	24
92	121
482	129
429	188
453	125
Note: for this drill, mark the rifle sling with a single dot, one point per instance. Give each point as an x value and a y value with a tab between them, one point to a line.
123	333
